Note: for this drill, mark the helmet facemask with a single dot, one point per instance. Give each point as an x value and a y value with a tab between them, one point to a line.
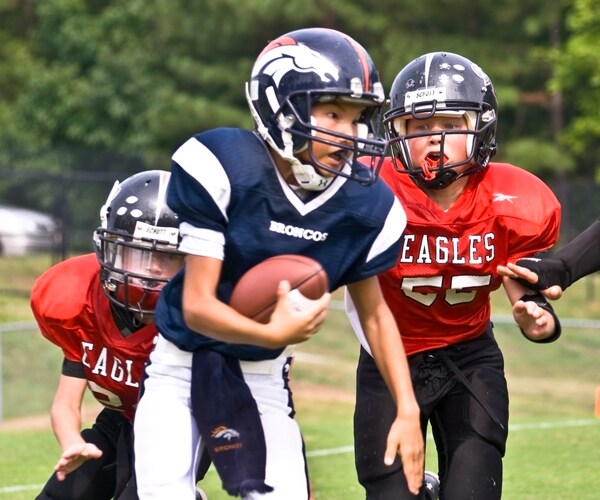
135	271
305	133
298	131
436	172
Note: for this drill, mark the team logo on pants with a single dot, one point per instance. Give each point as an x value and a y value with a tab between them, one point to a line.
225	433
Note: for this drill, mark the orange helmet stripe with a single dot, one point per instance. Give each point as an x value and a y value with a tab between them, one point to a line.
278	42
363	61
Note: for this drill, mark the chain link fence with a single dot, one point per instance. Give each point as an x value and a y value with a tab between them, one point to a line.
75	197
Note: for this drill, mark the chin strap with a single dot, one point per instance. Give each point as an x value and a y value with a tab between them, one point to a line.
126	321
306	175
443	179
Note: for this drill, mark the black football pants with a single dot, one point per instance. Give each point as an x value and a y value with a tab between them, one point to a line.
95	479
111	475
462	393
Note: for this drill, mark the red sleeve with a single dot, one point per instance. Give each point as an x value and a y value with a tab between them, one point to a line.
533	222
60	301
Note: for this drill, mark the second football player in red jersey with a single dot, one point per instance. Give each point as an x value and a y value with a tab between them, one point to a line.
99	310
465	216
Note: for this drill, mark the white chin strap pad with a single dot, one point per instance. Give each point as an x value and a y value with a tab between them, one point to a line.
307	176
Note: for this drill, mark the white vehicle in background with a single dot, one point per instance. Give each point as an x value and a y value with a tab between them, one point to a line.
24	231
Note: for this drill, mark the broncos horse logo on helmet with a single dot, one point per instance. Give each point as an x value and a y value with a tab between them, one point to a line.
278	61
304	67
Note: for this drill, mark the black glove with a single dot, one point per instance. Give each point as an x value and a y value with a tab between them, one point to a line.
551	271
579	258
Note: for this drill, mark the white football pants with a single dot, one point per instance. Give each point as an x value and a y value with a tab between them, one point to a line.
167	442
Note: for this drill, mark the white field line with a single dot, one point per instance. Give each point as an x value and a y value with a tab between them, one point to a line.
349	449
21	487
561	424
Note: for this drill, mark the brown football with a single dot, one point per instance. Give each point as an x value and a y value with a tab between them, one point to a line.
255	294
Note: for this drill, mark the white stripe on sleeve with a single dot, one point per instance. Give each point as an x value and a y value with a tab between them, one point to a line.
205	242
199	162
392	230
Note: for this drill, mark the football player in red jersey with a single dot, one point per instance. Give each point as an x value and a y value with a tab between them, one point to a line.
465	216
98	308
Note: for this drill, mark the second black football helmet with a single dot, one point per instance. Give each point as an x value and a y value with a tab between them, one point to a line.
442	83
137	241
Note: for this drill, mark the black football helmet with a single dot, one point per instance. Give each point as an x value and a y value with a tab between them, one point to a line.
303	67
446	84
136	243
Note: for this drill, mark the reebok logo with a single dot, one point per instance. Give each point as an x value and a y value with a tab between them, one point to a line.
297	232
503	197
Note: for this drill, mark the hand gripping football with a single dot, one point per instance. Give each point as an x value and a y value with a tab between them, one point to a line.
255	294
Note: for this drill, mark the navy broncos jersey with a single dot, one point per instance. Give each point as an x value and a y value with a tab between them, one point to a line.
231	198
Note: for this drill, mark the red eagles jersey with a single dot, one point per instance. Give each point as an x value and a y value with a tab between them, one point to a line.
73	313
439	290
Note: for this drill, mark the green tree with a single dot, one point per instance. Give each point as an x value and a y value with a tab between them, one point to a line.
116	85
577	76
139	76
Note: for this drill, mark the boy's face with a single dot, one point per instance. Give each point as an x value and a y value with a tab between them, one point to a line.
152	264
340	117
427	149
138	274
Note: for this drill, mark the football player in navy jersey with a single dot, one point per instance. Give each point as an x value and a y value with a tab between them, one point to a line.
218	380
99	309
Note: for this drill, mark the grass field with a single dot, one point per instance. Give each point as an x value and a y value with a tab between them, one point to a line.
553	449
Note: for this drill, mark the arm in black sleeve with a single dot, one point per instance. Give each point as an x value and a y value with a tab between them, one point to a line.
582	255
578	258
